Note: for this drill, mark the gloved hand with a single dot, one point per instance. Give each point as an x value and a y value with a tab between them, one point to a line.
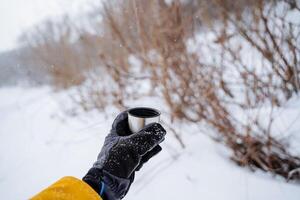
122	154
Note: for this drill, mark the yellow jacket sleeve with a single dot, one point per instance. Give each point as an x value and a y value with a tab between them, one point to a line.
68	188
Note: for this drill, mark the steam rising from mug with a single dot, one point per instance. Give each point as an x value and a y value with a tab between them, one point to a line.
139	117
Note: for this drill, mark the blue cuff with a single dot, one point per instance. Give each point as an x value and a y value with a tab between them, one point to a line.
102	188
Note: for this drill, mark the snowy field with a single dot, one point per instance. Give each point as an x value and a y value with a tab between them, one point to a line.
39	145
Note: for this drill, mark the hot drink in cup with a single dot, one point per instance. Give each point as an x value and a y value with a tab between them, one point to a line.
139	117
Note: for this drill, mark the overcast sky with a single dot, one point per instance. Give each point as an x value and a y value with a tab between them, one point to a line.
18	15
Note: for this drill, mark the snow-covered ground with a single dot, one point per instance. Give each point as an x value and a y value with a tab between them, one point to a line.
39	145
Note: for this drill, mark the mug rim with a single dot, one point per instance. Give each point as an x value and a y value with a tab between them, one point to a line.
158	113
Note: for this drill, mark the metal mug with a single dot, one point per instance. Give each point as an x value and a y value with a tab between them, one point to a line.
139	117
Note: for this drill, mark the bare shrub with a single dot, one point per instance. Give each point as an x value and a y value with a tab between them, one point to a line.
233	73
266	32
214	82
53	46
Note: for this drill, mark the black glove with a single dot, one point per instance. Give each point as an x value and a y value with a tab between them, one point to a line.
122	154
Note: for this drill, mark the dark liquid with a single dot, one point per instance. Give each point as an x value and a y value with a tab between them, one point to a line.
143	112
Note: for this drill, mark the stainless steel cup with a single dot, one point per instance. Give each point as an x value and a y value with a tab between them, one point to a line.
139	117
